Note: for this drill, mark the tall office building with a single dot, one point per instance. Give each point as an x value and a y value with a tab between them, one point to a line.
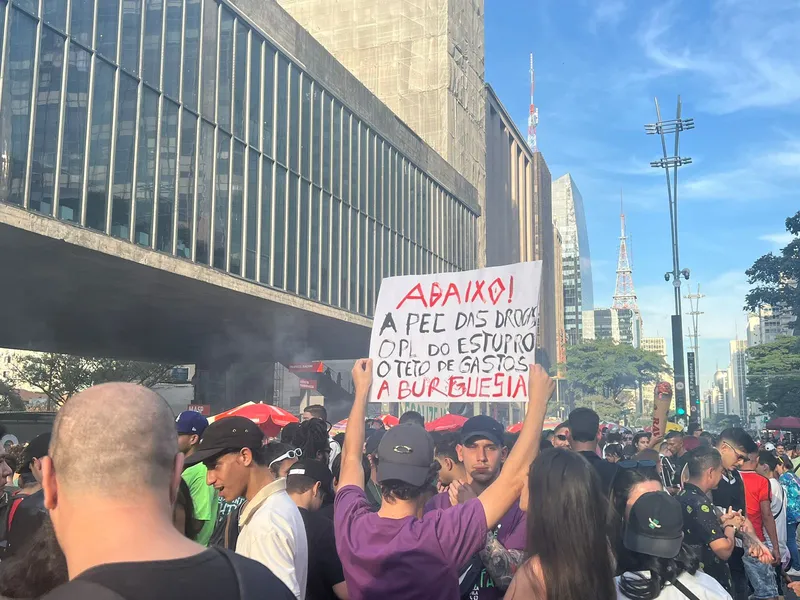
737	380
558	273
425	60
518	216
721	391
654	344
601	324
569	216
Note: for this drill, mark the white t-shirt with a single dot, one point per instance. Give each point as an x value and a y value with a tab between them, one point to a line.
701	585
272	532
778	507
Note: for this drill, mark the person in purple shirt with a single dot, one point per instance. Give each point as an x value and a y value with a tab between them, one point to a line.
489	573
399	552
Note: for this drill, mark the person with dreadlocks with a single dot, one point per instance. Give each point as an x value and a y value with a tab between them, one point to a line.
312	438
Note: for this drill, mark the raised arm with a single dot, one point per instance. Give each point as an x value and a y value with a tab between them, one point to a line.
501	563
661	401
352	473
499	496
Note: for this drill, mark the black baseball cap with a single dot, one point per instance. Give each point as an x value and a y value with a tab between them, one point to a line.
405	453
482	427
230	434
374	440
36	448
655	526
313	469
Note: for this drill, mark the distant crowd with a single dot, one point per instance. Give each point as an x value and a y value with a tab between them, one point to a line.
125	501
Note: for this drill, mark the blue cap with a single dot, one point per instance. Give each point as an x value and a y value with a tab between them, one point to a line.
191	422
482	427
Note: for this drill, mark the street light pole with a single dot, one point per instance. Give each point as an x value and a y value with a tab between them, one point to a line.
661	128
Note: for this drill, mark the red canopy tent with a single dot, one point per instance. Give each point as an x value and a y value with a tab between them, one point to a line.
270	419
784	423
387	420
448	422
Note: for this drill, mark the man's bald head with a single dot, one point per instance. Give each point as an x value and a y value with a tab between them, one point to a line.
114	439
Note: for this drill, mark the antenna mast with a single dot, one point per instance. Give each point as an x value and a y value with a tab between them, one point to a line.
533	117
624	294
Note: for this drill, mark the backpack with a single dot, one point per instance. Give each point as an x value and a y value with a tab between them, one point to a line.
8	506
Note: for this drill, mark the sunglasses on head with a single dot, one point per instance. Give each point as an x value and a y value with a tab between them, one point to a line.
562	437
635	464
290	454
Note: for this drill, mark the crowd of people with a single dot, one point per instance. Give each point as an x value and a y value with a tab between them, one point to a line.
124	501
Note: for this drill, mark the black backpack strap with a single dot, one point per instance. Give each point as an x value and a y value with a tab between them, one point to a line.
684	590
240	579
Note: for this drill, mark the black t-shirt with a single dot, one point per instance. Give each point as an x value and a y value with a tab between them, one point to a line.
205	576
730	492
324	565
606	470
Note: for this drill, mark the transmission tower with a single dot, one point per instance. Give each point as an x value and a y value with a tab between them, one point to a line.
533	117
624	293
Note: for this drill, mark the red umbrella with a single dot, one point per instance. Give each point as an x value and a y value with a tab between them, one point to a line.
783	423
389	420
270	419
448	422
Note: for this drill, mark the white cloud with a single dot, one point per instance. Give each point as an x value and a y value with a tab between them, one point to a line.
779	240
746	55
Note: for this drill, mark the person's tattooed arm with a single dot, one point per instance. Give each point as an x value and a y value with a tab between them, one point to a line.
500	563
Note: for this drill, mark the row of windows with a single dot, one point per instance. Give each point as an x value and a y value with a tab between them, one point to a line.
263	174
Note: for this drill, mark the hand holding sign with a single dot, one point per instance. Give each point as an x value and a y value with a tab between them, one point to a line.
466	336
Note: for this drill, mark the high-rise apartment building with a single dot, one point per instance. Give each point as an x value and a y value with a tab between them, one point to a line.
620	325
558	273
425	60
768	324
569	216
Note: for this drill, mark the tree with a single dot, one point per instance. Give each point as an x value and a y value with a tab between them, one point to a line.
606	369
61	376
773	376
9	397
720	422
606	409
776	277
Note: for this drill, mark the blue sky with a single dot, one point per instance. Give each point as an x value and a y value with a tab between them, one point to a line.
599	64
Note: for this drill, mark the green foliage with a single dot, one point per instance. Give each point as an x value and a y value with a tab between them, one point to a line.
606	369
719	422
9	398
773	376
61	376
606	408
775	276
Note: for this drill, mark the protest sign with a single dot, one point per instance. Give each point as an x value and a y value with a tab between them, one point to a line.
456	337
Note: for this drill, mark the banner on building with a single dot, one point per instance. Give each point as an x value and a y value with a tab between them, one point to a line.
308	384
456	337
203	409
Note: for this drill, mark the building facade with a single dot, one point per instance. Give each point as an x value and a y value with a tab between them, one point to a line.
654	344
570	218
558	274
601	324
518	215
425	60
223	134
737	375
768	324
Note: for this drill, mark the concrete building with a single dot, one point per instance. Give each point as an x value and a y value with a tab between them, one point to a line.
654	344
768	324
518	215
425	60
601	324
225	193
620	325
558	273
721	392
737	380
569	216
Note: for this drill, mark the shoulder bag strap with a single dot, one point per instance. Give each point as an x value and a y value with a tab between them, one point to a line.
240	582
684	590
